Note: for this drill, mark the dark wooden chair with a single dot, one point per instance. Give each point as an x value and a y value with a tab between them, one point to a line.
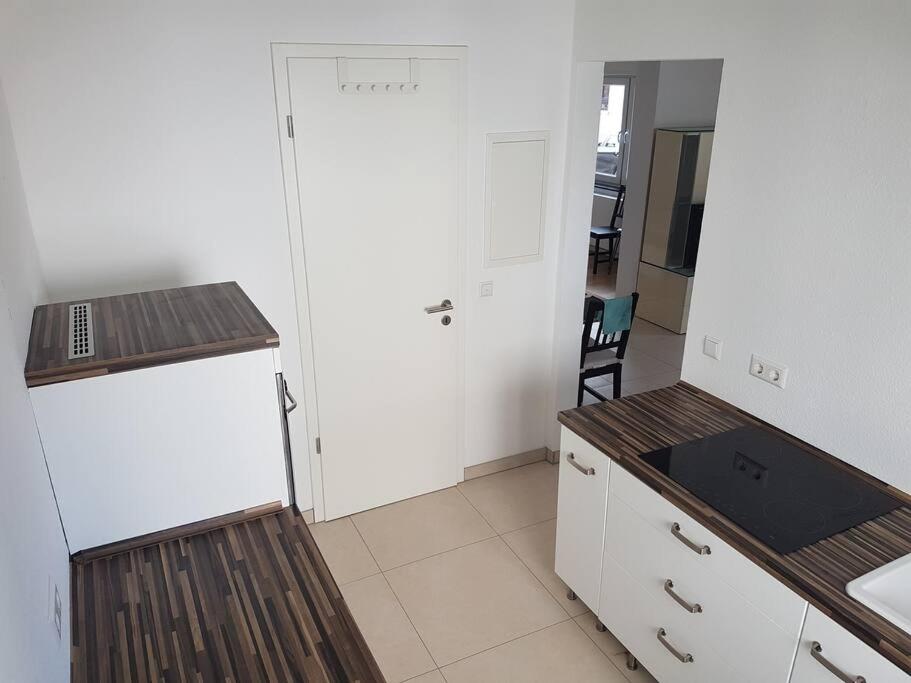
602	349
612	232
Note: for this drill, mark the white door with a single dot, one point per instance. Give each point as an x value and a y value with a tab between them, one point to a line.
376	147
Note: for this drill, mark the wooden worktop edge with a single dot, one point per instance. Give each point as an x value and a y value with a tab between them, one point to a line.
35	378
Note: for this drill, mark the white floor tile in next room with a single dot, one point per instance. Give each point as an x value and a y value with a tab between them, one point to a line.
653	360
458	586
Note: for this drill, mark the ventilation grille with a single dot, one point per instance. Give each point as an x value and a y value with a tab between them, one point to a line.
82	334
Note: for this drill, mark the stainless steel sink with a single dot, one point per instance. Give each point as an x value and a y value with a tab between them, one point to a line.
887	591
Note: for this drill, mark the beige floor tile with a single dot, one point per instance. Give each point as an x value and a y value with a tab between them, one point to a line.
560	653
640	675
657	342
605	640
389	634
535	547
644	328
638	386
589	400
345	552
429	677
516	498
420	527
471	599
638	364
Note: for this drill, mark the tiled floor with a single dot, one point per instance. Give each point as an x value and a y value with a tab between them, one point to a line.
458	585
603	284
653	359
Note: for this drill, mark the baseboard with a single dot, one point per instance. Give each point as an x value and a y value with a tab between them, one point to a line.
308	515
193	528
507	463
553	457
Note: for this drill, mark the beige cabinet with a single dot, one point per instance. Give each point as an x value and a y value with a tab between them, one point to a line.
673	222
664	297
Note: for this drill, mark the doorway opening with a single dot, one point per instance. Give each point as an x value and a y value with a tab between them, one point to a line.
653	155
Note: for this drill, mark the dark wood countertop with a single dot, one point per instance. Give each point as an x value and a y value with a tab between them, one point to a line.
252	600
145	329
623	429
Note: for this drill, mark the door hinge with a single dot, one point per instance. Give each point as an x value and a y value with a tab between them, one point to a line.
290	121
319	450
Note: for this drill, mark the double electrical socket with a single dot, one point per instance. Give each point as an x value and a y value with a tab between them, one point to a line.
773	373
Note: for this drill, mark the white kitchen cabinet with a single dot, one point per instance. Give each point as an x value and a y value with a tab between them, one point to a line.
634	616
581	513
677	536
827	652
700	606
141	451
689	606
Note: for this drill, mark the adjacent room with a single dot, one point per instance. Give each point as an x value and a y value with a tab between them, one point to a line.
655	135
454	342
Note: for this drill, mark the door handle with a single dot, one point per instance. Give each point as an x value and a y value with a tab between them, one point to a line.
695	547
816	651
445	305
693	608
293	405
587	471
684	657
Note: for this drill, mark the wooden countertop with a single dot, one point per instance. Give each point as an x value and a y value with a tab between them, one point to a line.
145	329
252	600
623	429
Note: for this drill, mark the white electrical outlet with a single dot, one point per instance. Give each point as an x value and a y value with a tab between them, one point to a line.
773	373
487	288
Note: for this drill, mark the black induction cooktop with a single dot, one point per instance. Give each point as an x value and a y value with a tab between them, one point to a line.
783	495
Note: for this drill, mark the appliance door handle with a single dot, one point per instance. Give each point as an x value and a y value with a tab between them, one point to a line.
684	657
696	548
293	405
587	471
445	305
816	651
692	608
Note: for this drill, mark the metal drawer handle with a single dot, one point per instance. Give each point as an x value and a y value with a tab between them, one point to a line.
587	471
685	658
290	398
701	549
694	608
816	651
445	305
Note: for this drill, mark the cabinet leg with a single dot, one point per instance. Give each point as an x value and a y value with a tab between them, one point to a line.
599	627
631	663
570	595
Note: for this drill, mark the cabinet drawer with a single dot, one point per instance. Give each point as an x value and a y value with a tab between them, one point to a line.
633	616
843	652
581	512
711	611
763	592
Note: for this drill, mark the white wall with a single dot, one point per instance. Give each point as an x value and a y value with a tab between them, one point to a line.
805	242
688	93
32	547
148	145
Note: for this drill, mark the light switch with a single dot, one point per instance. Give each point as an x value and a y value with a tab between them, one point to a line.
487	288
711	347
